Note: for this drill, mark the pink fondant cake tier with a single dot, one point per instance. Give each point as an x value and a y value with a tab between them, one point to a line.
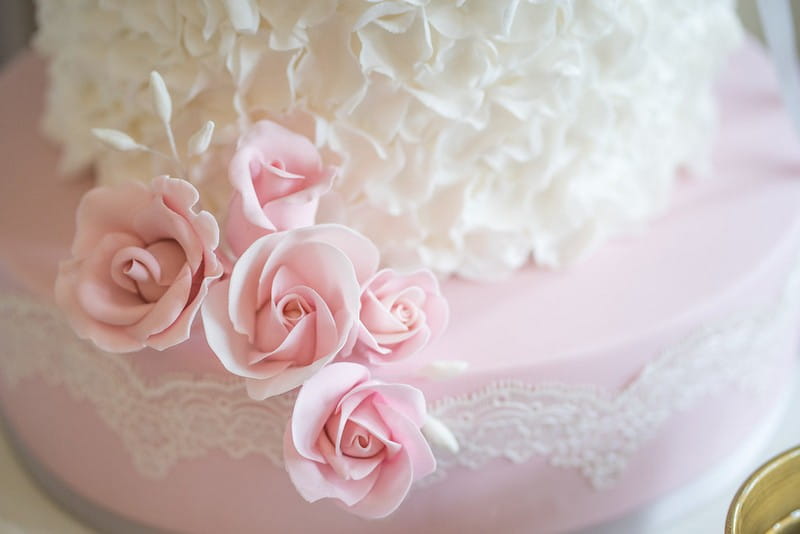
576	396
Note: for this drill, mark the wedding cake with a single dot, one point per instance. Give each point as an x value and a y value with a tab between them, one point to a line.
378	265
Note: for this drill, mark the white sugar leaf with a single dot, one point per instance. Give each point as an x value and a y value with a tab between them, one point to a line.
116	139
161	99
439	435
444	369
201	139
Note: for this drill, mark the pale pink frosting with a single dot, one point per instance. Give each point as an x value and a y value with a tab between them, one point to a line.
290	305
400	314
142	262
357	440
278	177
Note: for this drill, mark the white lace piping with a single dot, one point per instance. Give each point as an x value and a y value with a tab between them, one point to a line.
165	420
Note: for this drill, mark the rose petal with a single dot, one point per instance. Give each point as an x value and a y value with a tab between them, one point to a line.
415	446
180	330
97	292
318	399
286	213
106	337
404	399
231	347
394	480
297	347
345	467
315	481
270	332
167	309
287	380
361	251
241	232
377	318
244	283
369	418
107	210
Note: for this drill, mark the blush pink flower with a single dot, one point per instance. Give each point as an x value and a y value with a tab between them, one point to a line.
278	177
290	305
142	263
357	440
400	314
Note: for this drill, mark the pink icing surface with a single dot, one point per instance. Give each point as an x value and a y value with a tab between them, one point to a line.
726	245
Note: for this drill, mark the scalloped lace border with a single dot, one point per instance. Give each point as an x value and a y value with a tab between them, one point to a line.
594	431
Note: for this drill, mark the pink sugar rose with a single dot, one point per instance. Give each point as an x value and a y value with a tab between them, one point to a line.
400	314
357	440
142	262
290	305
278	178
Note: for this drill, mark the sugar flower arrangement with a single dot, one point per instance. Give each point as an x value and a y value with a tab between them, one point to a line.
285	303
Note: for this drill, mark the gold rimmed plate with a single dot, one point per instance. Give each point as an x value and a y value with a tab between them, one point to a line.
769	501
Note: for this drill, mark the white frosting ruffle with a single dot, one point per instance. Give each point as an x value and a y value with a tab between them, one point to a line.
470	134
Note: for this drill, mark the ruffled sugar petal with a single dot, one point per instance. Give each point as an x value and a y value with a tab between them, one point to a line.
105	210
243	14
397	54
316	480
318	399
329	69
